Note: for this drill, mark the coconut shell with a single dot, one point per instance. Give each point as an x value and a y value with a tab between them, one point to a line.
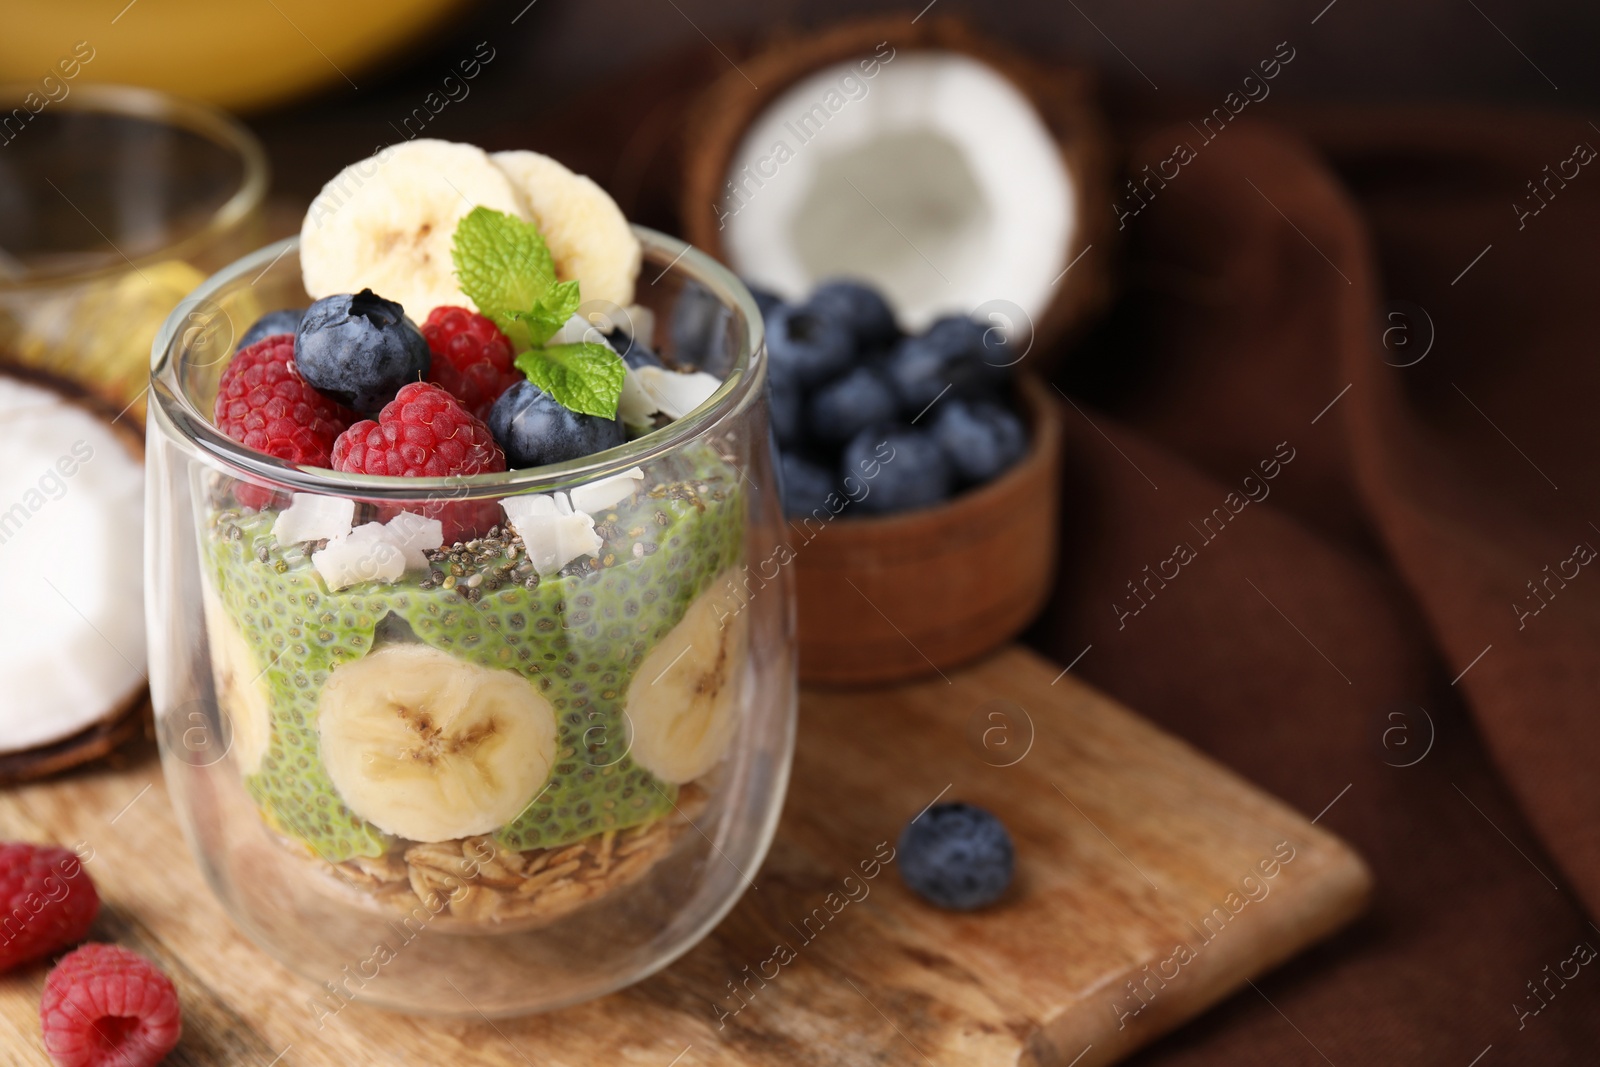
131	717
1064	98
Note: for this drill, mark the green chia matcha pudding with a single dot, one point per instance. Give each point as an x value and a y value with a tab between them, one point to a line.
495	709
475	717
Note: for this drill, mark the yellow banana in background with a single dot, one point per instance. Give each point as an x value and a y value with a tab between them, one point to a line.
237	56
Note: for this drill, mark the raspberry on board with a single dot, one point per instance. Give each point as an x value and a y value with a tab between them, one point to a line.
262	402
108	1006
424	432
472	359
48	902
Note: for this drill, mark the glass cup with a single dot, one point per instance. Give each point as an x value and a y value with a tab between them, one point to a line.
464	781
115	202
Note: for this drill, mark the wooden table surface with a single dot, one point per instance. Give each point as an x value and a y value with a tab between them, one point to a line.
1151	884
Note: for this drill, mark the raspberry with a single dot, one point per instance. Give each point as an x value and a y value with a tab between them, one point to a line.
48	901
262	402
108	1006
424	432
471	358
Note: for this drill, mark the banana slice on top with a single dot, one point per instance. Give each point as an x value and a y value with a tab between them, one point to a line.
387	223
588	235
429	747
242	691
682	705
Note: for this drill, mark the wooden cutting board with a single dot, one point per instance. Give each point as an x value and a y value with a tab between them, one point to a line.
1139	861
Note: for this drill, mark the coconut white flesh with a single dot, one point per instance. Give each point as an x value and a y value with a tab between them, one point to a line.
369	553
607	492
936	180
413	535
648	390
638	322
578	329
313	517
72	636
553	534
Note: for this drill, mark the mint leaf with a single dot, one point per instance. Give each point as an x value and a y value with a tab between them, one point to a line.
583	377
505	267
557	306
502	263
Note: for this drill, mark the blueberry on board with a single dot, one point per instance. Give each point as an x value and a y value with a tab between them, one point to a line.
271	324
849	404
359	349
812	347
980	438
784	405
956	856
901	466
805	485
955	353
535	430
862	309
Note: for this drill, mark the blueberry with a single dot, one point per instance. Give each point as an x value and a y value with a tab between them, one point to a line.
956	856
849	404
862	309
634	352
765	299
784	403
813	347
359	349
271	324
535	430
955	352
902	467
699	331
806	485
979	438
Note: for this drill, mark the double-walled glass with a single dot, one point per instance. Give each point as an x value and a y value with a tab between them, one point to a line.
472	782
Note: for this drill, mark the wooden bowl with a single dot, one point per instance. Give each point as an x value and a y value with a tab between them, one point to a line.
884	599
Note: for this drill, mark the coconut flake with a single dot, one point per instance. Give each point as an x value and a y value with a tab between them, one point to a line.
578	329
638	322
552	532
648	390
313	517
72	635
368	553
636	406
413	535
607	492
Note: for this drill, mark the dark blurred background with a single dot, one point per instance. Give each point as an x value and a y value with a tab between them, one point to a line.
1155	58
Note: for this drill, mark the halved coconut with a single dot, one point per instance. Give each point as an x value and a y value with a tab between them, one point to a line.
72	637
944	169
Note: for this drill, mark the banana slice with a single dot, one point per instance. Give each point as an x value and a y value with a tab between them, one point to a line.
242	691
387	223
431	748
588	235
682	705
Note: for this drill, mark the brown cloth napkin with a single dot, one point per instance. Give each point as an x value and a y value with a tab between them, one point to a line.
1344	627
1342	415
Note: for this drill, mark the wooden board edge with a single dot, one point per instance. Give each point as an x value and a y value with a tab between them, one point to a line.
1153	1006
